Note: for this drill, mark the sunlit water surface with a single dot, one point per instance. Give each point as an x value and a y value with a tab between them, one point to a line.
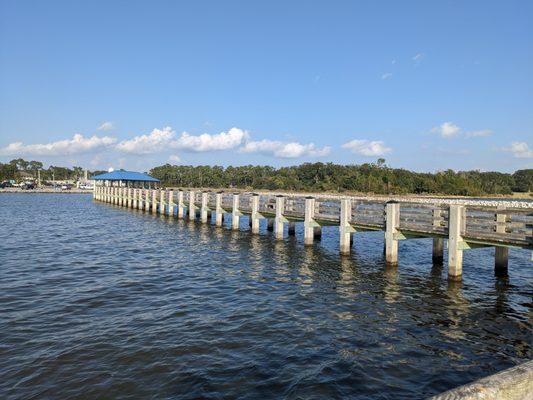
98	301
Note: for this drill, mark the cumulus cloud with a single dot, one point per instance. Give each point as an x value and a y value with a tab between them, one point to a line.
480	133
174	158
206	142
519	150
284	149
386	75
447	130
156	141
163	139
368	148
78	144
106	126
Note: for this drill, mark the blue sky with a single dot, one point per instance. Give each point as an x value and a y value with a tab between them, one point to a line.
426	85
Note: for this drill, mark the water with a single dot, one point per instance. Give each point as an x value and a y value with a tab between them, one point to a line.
98	301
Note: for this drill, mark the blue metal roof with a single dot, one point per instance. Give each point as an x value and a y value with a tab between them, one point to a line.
125	176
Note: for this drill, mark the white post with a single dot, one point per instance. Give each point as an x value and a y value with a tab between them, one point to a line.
455	251
501	256
192	207
219	212
134	202
392	225
278	221
345	228
309	222
181	206
154	201
171	203
204	208
255	217
235	214
162	202
147	199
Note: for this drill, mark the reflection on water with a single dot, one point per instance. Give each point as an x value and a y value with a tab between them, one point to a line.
100	301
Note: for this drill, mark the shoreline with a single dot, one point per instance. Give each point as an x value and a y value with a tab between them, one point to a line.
47	190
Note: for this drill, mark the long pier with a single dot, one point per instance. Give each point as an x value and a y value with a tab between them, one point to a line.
462	225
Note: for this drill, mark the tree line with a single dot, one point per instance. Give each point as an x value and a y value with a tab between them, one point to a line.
19	169
366	178
375	177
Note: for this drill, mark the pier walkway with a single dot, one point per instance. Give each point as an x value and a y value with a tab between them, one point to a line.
460	224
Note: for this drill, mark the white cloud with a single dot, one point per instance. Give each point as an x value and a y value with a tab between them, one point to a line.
78	144
519	150
386	75
156	141
368	148
106	126
206	142
480	133
174	158
418	57
393	62
285	149
447	130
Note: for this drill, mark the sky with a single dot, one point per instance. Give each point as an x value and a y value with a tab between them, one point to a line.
426	85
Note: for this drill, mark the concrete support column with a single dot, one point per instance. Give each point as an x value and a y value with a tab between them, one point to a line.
235	214
438	243
255	217
501	256
192	207
120	197
154	201
171	203
392	225
204	209
309	222
181	206
219	212
278	221
455	239
147	199
162	201
345	228
134	198
291	231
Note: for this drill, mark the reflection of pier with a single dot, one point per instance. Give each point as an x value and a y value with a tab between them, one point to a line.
464	226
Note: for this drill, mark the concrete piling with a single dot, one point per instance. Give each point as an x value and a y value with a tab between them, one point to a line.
345	228
235	214
181	205
171	204
255	217
455	241
391	229
279	219
219	212
204	209
309	222
192	207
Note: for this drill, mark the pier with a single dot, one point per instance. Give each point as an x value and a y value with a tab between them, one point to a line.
459	224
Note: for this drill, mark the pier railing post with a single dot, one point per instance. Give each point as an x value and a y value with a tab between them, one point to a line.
171	203
309	221
501	255
438	243
235	213
162	201
154	201
455	239
192	207
204	209
147	200
391	228
181	206
255	217
219	212
280	219
345	228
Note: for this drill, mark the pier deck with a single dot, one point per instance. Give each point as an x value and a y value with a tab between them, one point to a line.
464	225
